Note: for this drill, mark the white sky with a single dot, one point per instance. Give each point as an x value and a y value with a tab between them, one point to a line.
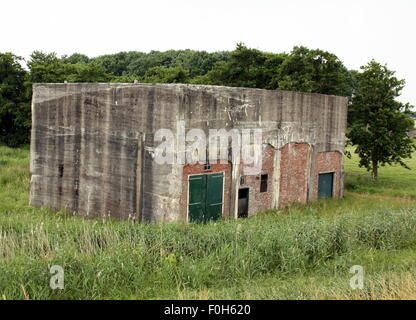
356	31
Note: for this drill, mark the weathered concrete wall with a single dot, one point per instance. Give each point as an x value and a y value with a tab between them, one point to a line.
93	145
86	142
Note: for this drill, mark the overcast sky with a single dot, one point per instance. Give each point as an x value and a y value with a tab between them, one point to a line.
356	31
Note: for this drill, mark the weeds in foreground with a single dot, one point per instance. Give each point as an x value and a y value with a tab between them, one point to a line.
298	252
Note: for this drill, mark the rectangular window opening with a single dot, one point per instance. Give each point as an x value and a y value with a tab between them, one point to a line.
61	170
263	182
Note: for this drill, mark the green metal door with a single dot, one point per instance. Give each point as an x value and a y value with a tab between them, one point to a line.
197	193
325	185
205	197
214	196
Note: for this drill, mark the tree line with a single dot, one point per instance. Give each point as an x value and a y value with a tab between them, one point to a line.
377	123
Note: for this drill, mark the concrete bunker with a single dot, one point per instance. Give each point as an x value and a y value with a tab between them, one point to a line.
93	150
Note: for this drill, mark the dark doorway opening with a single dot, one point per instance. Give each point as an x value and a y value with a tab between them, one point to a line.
243	195
263	182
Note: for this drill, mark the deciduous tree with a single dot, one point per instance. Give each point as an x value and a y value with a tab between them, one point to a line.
380	124
14	108
314	71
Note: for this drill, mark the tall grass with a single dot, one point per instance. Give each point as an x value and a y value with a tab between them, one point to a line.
112	259
299	252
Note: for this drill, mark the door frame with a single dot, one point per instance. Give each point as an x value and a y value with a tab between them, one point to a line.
223	191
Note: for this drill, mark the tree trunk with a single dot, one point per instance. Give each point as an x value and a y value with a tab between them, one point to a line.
374	173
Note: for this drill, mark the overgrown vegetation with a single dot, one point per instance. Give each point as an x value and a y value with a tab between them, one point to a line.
298	252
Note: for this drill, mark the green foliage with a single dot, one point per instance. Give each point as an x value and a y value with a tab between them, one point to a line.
198	63
313	71
14	108
88	72
137	64
75	58
302	70
166	75
45	67
49	68
118	64
245	68
380	124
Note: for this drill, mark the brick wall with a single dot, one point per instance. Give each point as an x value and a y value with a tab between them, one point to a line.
260	201
294	168
328	162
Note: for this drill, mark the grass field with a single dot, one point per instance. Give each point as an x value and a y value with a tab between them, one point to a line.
302	252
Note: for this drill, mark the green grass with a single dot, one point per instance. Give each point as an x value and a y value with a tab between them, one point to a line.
301	252
393	181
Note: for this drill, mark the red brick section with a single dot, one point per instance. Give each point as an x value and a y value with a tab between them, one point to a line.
294	164
294	174
260	201
192	169
328	162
